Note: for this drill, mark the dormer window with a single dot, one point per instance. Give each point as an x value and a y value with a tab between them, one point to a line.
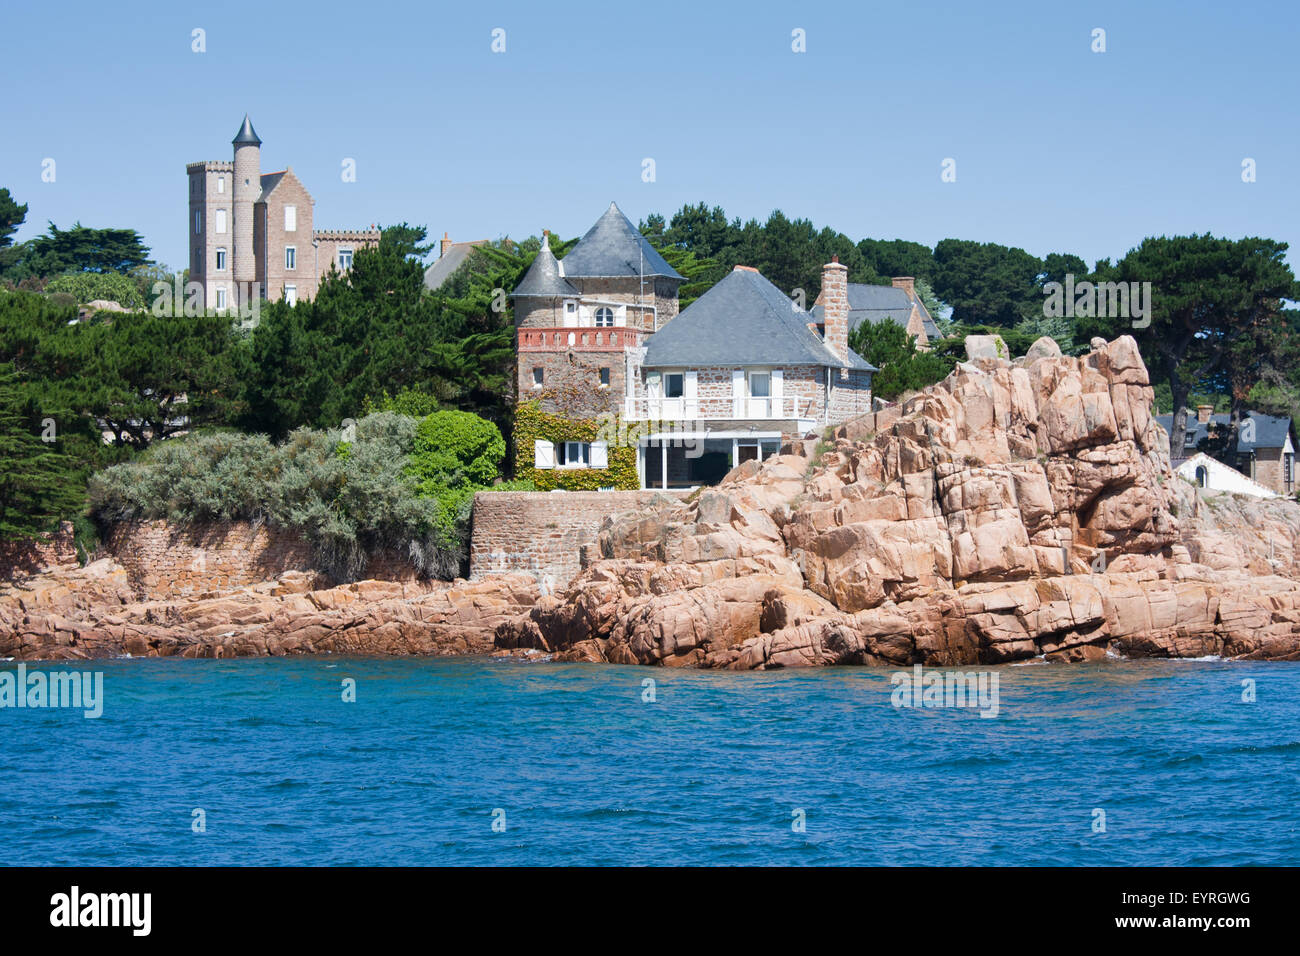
604	317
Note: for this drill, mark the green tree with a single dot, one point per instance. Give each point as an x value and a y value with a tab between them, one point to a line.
406	240
79	249
986	283
903	368
91	286
1216	314
38	484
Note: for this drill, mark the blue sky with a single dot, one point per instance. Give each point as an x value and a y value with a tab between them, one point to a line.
1057	148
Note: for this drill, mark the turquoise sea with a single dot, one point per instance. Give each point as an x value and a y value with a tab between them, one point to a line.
575	765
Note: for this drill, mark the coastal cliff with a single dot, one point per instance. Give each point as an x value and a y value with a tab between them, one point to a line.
1017	509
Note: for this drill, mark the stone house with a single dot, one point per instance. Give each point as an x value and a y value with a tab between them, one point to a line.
1264	450
740	371
897	303
246	227
451	256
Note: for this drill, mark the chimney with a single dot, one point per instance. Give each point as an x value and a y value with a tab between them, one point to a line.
906	283
834	301
446	244
1203	413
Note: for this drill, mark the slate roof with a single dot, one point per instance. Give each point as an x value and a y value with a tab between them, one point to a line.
246	134
447	263
1270	431
543	278
610	249
269	182
743	320
883	303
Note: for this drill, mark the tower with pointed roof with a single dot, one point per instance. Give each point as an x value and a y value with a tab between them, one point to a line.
252	233
582	321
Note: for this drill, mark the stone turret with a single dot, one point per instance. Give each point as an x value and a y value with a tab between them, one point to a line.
248	187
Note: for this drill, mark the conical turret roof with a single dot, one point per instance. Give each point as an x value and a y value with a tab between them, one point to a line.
613	247
246	134
543	279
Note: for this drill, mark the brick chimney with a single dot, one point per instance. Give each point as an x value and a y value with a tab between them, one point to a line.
906	283
1203	413
446	244
834	301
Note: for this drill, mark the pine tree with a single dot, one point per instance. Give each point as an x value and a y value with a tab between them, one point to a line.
38	485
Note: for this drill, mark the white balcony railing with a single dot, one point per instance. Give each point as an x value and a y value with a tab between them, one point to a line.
695	409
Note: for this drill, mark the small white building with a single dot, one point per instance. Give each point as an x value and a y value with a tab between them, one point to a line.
1212	474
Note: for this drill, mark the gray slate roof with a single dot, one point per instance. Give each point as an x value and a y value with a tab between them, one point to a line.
883	303
1270	431
610	249
543	279
447	263
743	320
246	134
269	182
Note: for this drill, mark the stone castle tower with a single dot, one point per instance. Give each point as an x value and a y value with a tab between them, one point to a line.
247	227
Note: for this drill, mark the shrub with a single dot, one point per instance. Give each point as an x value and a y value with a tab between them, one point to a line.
346	498
457	449
86	287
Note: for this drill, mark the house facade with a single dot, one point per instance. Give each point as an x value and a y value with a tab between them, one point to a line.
896	302
246	227
1263	451
740	371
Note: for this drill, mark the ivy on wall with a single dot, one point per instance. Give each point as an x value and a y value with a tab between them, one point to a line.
533	424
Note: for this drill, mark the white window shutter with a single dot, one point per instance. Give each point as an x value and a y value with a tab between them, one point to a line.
738	392
778	404
599	454
543	454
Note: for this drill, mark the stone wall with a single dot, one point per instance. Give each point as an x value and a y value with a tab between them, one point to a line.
164	562
542	532
21	559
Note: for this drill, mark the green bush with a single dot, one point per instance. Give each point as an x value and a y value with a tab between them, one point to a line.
88	286
456	450
346	498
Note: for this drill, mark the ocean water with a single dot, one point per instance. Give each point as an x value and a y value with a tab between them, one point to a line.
720	768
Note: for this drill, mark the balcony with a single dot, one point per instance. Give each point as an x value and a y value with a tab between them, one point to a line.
785	408
587	339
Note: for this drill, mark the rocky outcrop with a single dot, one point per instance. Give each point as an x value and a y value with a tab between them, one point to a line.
95	612
1018	509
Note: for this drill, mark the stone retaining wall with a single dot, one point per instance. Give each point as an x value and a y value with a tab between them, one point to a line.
543	532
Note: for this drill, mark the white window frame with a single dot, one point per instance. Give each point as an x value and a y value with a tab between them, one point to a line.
221	299
221	222
221	184
221	259
291	294
290	258
290	218
342	266
603	311
568	450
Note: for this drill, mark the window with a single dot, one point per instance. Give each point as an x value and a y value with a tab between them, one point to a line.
570	306
221	220
604	317
290	257
537	377
291	294
198	223
221	184
1288	468
221	259
673	387
574	454
290	218
760	384
604	378
221	298
1202	476
345	259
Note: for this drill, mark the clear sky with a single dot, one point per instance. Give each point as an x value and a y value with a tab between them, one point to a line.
1057	148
